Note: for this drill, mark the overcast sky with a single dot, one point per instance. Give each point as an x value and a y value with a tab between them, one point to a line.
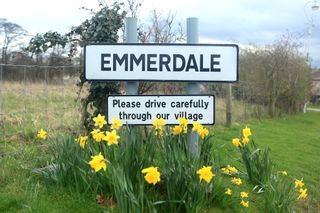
242	21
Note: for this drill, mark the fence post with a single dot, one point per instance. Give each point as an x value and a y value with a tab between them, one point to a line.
193	88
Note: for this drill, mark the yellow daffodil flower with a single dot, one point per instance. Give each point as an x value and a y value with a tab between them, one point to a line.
98	136
244	194
299	183
303	194
99	121
98	162
177	130
236	181
111	137
245	203
236	142
197	127
116	123
246	132
184	124
152	175
284	173
42	134
159	123
232	170
228	192
245	140
94	132
204	132
205	173
82	140
225	170
183	121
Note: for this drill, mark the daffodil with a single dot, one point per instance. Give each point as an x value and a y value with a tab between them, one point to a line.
245	140
244	194
94	132
246	132
159	123
303	194
236	181
197	126
183	123
284	173
99	121
82	140
228	192
98	162
236	142
205	173
177	130
152	175
299	183
204	132
232	170
245	203
116	123
225	170
111	137
42	134
98	136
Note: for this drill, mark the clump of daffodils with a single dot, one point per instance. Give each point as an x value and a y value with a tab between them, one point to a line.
244	140
302	191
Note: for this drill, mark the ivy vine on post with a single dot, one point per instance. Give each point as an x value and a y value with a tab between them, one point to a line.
103	26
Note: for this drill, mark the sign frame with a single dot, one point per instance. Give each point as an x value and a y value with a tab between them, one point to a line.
184	95
161	44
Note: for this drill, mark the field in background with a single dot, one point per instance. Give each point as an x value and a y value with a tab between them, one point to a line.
24	107
56	107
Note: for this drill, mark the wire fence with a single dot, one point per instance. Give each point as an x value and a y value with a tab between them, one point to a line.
34	97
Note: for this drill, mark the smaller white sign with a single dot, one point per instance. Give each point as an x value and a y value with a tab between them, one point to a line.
143	110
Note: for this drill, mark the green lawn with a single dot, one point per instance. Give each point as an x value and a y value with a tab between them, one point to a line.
294	142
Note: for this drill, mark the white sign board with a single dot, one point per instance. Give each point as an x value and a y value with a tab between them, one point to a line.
162	62
143	110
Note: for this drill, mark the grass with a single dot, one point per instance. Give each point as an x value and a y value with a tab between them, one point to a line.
295	146
293	139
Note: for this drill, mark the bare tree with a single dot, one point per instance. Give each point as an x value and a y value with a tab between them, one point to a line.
276	76
133	7
162	29
11	32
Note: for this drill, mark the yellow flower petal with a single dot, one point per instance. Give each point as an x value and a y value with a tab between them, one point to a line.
205	173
